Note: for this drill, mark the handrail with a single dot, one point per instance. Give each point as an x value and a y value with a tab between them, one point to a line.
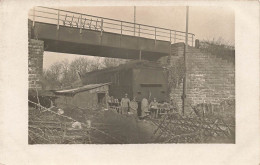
113	19
75	19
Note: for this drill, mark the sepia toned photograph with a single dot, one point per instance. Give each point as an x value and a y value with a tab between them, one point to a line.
131	75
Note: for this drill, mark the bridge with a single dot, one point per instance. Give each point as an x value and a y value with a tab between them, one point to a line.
77	33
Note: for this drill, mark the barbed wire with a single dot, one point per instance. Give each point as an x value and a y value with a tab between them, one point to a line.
70	118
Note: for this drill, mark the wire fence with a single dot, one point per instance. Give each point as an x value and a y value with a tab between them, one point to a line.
57	132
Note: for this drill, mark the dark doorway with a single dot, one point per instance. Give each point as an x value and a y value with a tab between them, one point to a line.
139	111
101	98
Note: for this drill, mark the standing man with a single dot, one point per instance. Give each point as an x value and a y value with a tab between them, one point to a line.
144	107
125	101
154	108
133	106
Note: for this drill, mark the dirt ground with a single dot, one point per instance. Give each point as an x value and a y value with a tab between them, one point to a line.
107	127
126	128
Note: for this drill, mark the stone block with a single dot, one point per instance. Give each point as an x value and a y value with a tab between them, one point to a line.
208	77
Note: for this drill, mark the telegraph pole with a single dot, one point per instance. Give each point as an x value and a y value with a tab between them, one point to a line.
185	61
134	18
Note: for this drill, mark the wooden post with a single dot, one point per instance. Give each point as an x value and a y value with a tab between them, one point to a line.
134	19
121	27
170	37
185	61
139	31
192	40
96	28
102	26
121	34
101	32
58	23
154	36
174	36
80	24
139	34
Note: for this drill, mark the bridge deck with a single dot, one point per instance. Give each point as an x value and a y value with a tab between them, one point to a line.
77	33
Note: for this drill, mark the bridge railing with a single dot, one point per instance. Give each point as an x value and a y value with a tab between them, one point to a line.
102	24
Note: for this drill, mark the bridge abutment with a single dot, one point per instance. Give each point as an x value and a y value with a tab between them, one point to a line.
35	59
210	78
35	63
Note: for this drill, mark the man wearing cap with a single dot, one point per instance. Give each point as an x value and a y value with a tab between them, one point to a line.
125	101
154	108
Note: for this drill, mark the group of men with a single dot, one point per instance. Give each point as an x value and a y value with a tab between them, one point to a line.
151	108
146	107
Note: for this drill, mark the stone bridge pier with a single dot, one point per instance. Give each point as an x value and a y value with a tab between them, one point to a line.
35	60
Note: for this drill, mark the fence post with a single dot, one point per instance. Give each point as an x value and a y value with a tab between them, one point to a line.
139	31
174	36
170	37
101	26
121	34
121	27
58	23
80	24
96	28
192	40
134	29
155	35
33	16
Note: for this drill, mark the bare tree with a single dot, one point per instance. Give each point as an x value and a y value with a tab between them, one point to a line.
51	78
112	62
65	74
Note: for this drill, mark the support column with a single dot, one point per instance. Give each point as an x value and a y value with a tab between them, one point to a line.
35	63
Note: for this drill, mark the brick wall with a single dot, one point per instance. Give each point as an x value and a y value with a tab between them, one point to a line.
210	79
35	63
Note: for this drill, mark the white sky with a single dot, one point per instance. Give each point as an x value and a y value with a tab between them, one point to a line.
205	22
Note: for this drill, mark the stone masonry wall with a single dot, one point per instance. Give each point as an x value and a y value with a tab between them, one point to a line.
29	30
210	79
35	63
35	59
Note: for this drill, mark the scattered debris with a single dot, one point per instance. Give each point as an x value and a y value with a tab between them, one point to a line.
60	111
88	124
76	125
49	127
174	128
